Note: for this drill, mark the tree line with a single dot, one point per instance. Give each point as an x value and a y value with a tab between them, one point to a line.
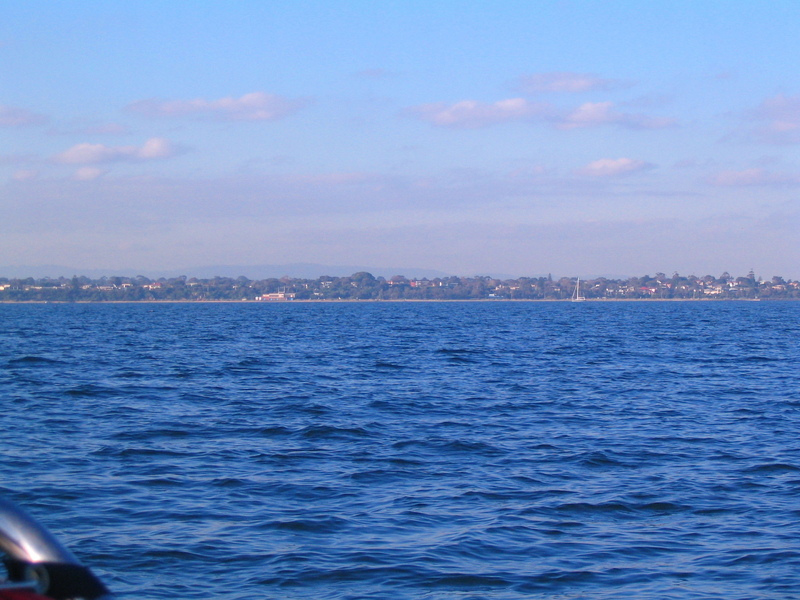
365	286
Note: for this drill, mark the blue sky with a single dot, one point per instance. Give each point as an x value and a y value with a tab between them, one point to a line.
577	138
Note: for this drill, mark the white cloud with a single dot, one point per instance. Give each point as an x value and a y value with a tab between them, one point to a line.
256	106
566	82
93	153
471	113
90	153
592	114
152	149
155	148
781	120
11	116
613	167
25	175
88	173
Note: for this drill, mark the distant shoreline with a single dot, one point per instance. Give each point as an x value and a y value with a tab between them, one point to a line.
403	301
365	287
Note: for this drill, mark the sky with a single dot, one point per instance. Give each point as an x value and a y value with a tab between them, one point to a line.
578	138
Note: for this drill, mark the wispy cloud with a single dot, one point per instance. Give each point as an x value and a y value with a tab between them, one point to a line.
152	149
593	114
649	101
334	179
109	129
373	74
88	173
779	119
256	106
566	82
472	114
614	167
25	175
752	177
11	116
18	159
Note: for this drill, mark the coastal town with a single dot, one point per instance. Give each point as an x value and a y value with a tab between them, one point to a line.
365	286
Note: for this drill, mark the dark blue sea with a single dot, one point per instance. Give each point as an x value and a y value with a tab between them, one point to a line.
646	450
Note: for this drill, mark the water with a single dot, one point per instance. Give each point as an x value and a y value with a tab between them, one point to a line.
412	450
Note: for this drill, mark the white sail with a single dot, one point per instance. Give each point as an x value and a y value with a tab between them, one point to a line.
576	296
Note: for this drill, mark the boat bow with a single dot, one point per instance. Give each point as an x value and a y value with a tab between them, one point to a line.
36	561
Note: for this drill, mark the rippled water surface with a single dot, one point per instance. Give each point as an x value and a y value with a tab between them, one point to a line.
411	450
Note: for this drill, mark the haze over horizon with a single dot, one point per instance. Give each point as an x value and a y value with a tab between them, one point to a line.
306	271
507	138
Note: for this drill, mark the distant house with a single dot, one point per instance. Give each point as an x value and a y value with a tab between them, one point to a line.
276	297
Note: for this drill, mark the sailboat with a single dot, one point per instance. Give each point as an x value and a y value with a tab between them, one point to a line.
576	296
